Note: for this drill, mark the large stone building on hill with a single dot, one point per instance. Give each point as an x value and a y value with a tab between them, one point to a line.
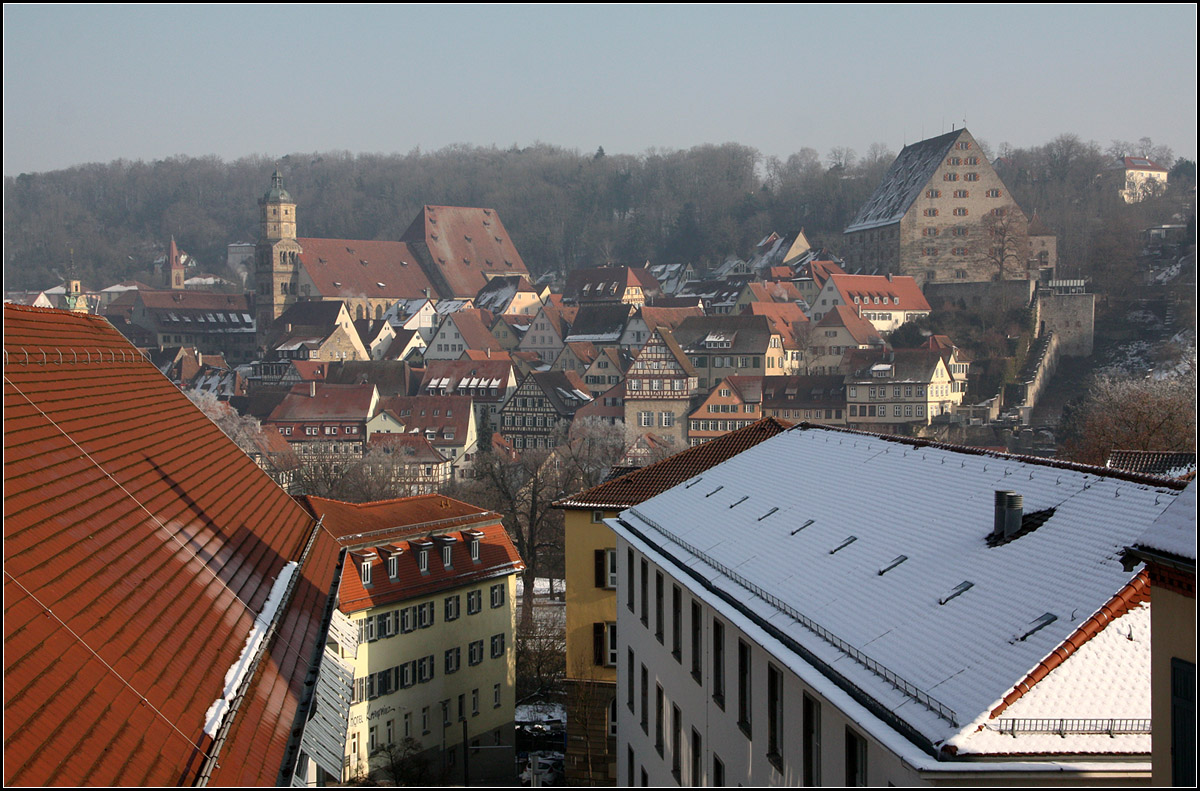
942	213
447	252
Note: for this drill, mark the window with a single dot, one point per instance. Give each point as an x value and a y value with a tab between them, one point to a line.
366	572
811	736
933	194
677	623
950	177
697	758
718	772
856	759
960	231
658	606
497	645
453	660
676	742
496	696
446	553
406	619
631	679
407	724
963	193
475	652
962	145
473	544
926	232
629	762
659	717
775	716
1183	722
646	419
645	593
718	662
645	701
667	419
993	193
475	702
474	602
425	720
612	718
611	644
629	588
960	212
931	212
606	568
425	615
960	251
452	608
423	559
971	177
929	251
393	566
744	687
953	161
498	595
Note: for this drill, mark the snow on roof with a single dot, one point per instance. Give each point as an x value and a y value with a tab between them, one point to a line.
888	626
1174	532
1106	678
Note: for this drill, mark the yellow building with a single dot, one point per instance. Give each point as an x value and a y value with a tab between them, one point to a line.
425	615
591	565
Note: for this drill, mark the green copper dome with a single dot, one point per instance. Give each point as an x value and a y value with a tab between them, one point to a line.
277	194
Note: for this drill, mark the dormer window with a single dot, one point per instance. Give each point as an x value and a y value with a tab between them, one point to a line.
365	567
393	565
423	560
473	538
446	548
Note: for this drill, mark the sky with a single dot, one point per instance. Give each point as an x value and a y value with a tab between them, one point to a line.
89	83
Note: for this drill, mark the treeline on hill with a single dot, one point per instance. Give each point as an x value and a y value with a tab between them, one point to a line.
563	208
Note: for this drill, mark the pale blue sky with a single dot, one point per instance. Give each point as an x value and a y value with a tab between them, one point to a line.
97	83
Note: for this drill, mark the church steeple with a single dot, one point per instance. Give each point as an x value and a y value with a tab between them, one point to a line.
278	215
73	298
174	267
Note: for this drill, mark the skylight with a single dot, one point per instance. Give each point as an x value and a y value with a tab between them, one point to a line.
959	589
1041	622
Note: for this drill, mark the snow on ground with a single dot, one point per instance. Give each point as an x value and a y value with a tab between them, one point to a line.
540	712
541	586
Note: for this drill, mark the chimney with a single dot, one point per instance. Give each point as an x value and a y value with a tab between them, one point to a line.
889	277
312	388
1009	511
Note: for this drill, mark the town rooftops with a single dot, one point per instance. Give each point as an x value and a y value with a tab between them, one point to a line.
863	331
316	400
1171	464
918	616
903	182
599	323
145	556
645	482
1173	534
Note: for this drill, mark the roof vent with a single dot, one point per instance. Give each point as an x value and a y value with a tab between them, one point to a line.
1042	622
959	589
844	544
896	562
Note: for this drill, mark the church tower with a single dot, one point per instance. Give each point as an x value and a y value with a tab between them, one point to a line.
73	298
174	267
277	258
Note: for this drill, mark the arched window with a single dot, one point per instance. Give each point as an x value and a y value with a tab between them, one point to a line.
360	311
379	311
612	717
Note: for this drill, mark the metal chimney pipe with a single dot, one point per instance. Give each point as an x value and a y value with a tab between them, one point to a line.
998	521
1014	506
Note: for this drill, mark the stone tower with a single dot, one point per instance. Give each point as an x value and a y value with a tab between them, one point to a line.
174	267
73	298
277	258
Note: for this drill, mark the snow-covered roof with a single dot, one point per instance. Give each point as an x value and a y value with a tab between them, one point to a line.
870	555
1174	532
903	182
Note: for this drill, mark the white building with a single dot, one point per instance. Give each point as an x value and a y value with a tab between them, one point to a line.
811	611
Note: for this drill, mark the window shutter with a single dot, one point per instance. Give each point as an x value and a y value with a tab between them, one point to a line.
601	571
598	643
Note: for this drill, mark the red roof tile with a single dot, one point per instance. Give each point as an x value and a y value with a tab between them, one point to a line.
337	270
464	246
401	523
860	329
902	290
139	543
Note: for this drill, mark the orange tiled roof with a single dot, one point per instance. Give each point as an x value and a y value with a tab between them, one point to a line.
634	487
860	329
337	270
402	523
139	543
902	290
465	246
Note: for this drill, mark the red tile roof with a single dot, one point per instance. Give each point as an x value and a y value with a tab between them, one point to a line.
330	402
464	247
337	270
634	487
139	543
898	287
404	524
860	329
670	318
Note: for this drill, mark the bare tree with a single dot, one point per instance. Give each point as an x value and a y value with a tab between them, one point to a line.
1132	414
593	447
1006	240
402	763
242	429
541	653
522	489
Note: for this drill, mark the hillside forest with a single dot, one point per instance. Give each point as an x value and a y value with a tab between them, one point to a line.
563	208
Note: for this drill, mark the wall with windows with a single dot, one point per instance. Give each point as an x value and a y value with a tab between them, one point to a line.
425	664
701	702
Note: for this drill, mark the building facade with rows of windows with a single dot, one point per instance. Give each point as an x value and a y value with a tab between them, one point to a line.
659	387
772	632
427	588
942	213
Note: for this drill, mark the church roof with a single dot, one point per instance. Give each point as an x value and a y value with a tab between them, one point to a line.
465	247
351	268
